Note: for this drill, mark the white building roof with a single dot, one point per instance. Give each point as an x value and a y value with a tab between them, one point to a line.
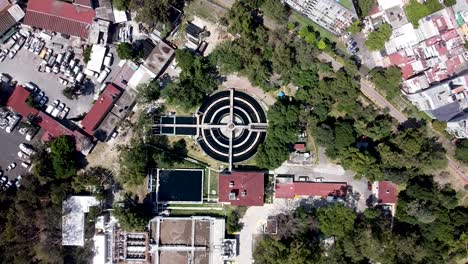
387	4
16	12
98	53
99	249
120	16
73	219
142	75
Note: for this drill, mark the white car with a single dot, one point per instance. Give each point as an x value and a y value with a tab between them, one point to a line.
62	81
64	113
27	149
108	60
18	179
56	103
61	106
319	179
23	155
32	87
103	75
11	166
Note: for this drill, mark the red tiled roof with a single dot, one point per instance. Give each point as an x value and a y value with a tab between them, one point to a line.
100	109
238	182
60	17
387	192
17	102
299	146
52	126
290	190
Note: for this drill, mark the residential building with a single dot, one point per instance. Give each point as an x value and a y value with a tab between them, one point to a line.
289	188
196	239
386	194
74	211
443	101
458	126
328	14
241	188
59	16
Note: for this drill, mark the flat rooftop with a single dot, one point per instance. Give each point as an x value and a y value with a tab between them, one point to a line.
196	240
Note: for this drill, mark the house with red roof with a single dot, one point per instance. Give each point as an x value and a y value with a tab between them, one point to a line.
241	188
100	110
386	194
288	188
60	16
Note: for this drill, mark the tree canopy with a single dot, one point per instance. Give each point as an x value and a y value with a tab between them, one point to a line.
387	80
376	39
461	151
283	130
196	81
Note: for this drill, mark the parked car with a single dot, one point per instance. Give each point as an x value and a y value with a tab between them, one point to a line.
56	68
12	123
103	75
61	106
11	166
39	96
108	60
32	87
319	179
43	101
23	155
28	149
64	113
62	81
12	53
49	109
18	179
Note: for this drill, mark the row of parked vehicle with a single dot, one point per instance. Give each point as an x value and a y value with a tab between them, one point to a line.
62	63
57	109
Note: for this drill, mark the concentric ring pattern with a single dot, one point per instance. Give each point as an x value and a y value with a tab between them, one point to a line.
218	126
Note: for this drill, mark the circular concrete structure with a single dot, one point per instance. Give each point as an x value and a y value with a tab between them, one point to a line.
233	124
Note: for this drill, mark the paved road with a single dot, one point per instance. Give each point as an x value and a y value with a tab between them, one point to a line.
367	88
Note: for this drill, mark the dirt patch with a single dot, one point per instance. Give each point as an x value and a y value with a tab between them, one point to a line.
243	84
456	183
218	33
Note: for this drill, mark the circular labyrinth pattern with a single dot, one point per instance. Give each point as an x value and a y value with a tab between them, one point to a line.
219	127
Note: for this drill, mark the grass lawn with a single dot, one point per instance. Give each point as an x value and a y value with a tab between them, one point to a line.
415	11
347	3
214	178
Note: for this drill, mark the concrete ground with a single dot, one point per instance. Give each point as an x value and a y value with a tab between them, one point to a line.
254	219
331	173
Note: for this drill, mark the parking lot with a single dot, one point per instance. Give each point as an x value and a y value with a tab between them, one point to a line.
23	68
10	147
